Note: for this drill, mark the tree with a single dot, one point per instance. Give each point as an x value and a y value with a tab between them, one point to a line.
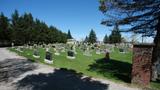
92	37
141	16
24	29
106	39
115	36
69	36
28	25
15	25
4	28
86	39
27	30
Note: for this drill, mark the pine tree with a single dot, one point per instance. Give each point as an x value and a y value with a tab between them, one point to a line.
4	28
92	37
86	39
106	39
15	25
115	36
69	36
25	29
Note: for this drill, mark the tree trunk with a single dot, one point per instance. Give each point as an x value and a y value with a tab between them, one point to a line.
156	53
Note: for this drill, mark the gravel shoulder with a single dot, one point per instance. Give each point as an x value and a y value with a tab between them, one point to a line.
18	73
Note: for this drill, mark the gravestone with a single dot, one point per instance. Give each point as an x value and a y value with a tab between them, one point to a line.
83	48
12	45
87	52
47	49
30	47
40	46
121	50
74	49
110	47
53	46
44	46
126	49
56	52
103	51
98	51
36	53
27	46
20	48
35	46
62	49
141	67
48	57
17	48
70	54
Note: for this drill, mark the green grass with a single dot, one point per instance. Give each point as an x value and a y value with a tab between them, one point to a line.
118	69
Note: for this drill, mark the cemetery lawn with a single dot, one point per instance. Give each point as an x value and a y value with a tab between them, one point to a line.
118	69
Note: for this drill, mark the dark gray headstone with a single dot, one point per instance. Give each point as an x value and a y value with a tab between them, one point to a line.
48	57
71	54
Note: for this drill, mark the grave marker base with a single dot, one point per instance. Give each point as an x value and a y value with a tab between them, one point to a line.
57	54
36	56
48	61
71	57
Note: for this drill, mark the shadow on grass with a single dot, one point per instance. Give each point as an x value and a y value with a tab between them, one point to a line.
12	68
112	69
60	79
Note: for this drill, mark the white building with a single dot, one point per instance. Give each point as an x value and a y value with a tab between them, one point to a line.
71	41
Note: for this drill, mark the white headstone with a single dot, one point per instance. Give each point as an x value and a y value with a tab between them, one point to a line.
57	52
98	51
12	45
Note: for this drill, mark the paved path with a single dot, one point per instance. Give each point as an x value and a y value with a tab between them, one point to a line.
18	73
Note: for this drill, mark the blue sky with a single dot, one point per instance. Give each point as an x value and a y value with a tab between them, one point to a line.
80	16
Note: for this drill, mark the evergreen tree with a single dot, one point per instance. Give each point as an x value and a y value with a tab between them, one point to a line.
15	25
106	39
92	37
28	25
4	28
86	39
25	29
69	36
115	36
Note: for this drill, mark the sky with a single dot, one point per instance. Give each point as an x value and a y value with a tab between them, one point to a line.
78	16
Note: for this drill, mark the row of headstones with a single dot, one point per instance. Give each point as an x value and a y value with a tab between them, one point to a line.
49	58
110	47
59	46
19	48
88	52
86	49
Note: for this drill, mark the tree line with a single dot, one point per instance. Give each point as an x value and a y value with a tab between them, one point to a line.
114	37
24	29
